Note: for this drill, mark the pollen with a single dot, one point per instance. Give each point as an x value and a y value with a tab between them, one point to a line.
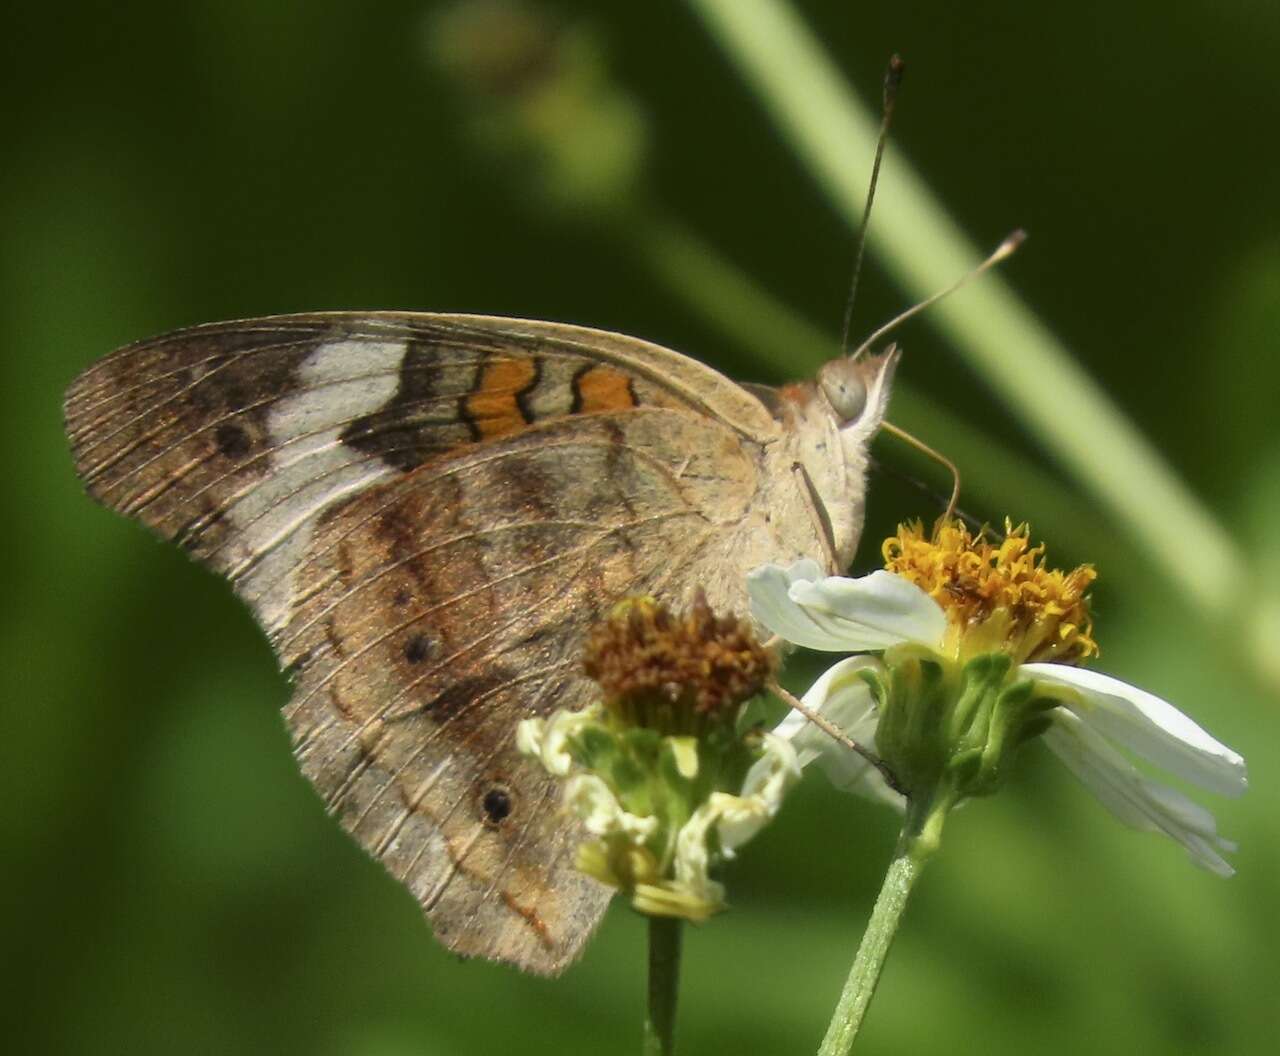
675	672
999	590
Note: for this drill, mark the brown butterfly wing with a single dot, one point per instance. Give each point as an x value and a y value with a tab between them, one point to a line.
440	612
428	514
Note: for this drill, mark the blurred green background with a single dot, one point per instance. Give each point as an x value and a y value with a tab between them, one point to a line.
170	882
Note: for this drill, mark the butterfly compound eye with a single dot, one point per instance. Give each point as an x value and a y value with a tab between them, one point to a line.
844	387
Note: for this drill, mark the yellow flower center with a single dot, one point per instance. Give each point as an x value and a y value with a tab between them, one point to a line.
997	595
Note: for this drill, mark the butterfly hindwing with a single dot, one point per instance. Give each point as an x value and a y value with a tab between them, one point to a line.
441	608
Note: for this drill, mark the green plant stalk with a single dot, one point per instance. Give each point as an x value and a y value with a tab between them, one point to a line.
872	951
921	833
665	936
925	252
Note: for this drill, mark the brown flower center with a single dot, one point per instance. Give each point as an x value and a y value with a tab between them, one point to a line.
675	672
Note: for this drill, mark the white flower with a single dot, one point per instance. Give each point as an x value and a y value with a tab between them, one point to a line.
738	818
1094	717
666	868
734	819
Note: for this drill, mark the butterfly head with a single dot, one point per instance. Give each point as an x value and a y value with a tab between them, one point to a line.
857	389
829	423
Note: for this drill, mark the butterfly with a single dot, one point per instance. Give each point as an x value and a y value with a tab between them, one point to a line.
427	514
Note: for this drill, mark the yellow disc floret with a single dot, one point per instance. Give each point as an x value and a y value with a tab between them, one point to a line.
998	595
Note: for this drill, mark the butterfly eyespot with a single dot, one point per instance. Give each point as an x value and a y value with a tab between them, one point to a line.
844	387
496	804
417	648
232	441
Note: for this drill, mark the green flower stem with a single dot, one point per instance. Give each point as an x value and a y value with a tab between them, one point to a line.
920	836
923	249
665	934
867	965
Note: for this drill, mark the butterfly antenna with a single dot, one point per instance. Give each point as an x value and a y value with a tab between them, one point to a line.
1002	252
938	457
960	513
892	79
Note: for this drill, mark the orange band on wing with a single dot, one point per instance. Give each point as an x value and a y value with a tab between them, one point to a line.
494	408
602	389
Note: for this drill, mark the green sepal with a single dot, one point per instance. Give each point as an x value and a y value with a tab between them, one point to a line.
1034	726
871	676
981	679
594	748
946	726
963	767
913	704
632	774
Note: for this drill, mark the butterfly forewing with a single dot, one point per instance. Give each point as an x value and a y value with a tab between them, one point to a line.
427	514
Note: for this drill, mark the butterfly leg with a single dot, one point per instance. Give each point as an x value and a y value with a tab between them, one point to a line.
818	515
836	734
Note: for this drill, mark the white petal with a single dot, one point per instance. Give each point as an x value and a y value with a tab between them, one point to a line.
560	727
1133	798
772	775
595	805
1152	728
737	818
771	605
529	735
844	699
692	859
843	615
871	612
